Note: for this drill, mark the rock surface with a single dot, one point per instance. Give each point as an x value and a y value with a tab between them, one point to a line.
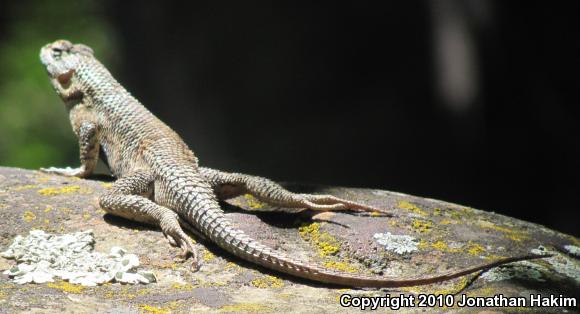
426	237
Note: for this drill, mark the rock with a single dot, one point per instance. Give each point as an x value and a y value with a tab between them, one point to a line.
426	237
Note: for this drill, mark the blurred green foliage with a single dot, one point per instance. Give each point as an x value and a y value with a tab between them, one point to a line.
34	127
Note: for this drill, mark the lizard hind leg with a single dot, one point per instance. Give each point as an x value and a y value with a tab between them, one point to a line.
124	199
232	184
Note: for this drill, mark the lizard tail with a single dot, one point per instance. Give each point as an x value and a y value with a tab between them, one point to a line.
218	228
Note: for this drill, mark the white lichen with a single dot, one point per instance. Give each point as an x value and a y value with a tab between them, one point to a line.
42	257
562	264
399	244
525	270
572	249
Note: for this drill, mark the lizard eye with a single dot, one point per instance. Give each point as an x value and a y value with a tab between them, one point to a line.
56	52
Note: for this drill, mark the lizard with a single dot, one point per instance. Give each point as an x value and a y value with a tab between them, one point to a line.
159	181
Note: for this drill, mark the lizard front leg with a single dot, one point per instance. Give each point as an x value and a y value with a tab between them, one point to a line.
228	185
125	199
89	152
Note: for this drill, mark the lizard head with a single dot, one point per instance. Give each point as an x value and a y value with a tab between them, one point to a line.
61	59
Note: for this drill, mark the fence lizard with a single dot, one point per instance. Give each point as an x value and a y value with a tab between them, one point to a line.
160	182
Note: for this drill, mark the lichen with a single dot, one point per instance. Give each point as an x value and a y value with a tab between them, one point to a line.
572	249
66	287
326	244
58	191
474	248
245	308
400	244
560	263
208	256
28	216
456	287
444	247
412	207
341	266
182	287
267	282
253	202
106	185
24	187
509	233
525	270
146	308
422	226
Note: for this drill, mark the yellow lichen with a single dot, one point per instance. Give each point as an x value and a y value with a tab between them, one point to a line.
231	265
145	308
208	256
267	282
327	244
284	295
106	185
245	308
341	266
448	222
494	257
421	226
48	208
575	241
42	179
455	288
182	287
58	191
24	187
511	234
253	202
518	237
440	245
28	216
66	287
423	244
474	248
412	207
65	210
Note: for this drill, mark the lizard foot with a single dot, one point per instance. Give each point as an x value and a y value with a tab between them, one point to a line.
174	234
330	202
68	171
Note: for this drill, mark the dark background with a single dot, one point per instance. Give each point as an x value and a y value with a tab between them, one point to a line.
473	102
